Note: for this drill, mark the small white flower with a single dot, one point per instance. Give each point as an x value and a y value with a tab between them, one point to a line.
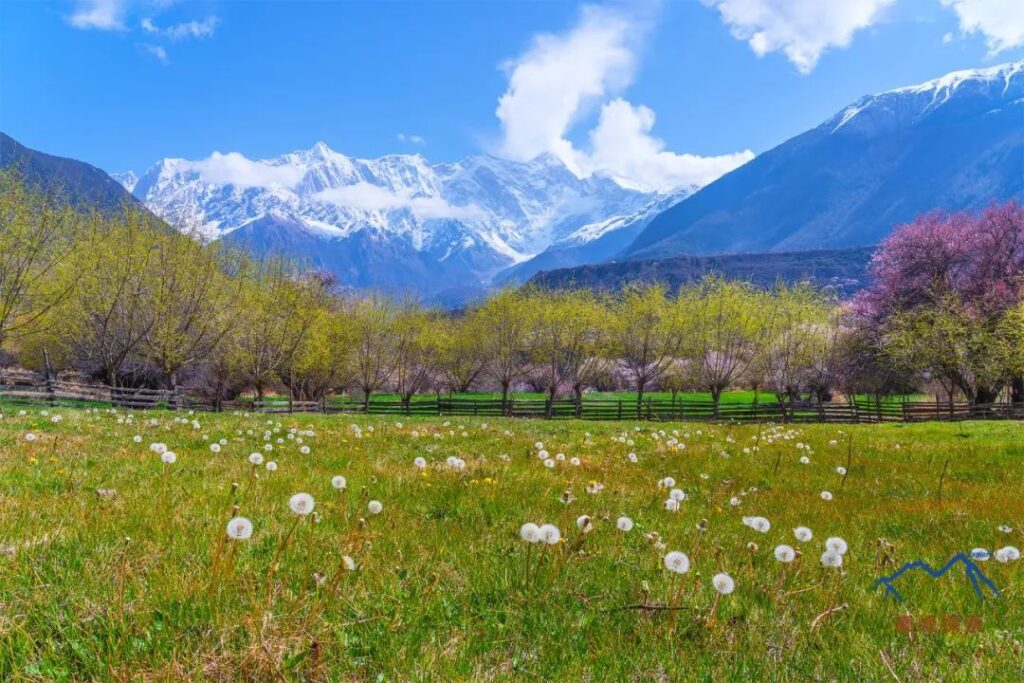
420	462
624	523
239	529
803	534
784	553
304	450
574	461
758	524
723	583
157	448
1007	554
301	503
271	466
550	534
804	460
530	533
549	463
256	458
30	437
1005	528
672	505
584	524
349	563
632	457
375	507
339	482
677	562
831	559
841	471
826	495
836	545
168	457
666	483
137	438
215	447
677	494
734	501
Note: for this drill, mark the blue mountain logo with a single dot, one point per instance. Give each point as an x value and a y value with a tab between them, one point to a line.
973	572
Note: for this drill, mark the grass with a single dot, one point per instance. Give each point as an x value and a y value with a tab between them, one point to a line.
115	567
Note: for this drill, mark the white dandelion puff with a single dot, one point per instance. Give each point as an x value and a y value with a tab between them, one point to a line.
256	458
677	562
784	553
530	533
550	534
826	495
375	507
168	457
239	529
301	503
723	583
836	545
803	534
831	559
624	523
339	482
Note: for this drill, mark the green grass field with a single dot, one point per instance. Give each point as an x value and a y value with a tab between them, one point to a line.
115	566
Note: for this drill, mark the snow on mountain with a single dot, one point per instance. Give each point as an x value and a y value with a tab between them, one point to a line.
595	242
127	179
469	219
950	144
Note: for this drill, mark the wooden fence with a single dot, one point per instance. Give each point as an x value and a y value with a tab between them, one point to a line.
24	391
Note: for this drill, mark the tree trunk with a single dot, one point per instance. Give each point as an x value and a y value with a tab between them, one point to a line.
1017	390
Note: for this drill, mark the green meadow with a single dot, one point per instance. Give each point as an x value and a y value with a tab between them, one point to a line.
115	565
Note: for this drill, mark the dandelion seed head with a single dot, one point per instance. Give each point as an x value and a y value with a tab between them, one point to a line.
723	583
301	503
677	562
239	529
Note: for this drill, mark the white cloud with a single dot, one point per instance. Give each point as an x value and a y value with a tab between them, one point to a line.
234	169
802	29
623	148
1000	21
558	77
184	30
157	51
562	77
102	15
412	138
365	196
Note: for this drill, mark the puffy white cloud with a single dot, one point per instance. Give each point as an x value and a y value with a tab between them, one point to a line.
552	83
562	77
1000	21
365	196
623	148
101	15
802	29
234	169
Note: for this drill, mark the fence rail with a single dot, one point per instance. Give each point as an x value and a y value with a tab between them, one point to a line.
18	391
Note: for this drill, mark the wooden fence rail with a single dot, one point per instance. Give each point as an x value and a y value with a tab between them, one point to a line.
18	391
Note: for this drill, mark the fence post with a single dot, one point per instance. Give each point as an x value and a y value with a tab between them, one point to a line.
620	408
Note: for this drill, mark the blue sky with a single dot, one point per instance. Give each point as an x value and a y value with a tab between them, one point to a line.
647	90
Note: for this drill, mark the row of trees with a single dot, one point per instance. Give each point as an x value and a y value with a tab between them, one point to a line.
128	301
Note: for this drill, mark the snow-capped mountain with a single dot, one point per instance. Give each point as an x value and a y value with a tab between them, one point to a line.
950	144
397	222
595	242
127	179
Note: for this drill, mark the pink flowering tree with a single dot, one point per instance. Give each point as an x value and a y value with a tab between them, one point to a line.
943	290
